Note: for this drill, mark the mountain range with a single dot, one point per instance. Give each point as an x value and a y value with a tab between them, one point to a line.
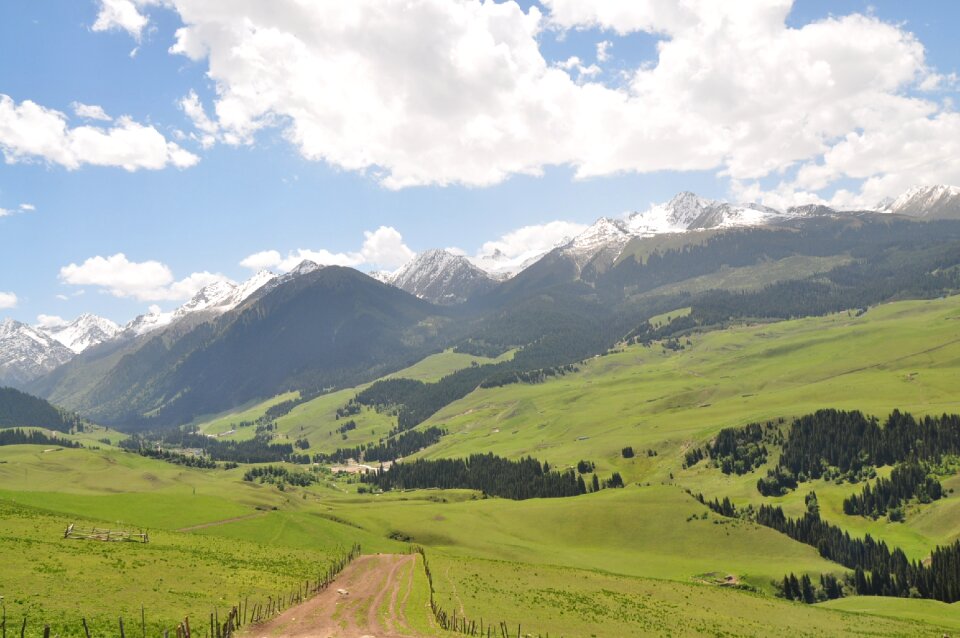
317	326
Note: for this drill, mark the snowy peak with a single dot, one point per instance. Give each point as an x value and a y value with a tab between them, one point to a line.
441	277
929	202
687	211
27	353
604	236
216	299
84	332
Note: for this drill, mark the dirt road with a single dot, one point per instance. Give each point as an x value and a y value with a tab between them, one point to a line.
373	606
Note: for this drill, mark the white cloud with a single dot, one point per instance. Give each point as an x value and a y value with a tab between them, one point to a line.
265	259
194	109
91	112
50	321
603	50
120	14
529	241
144	281
23	208
27	208
5	212
382	248
30	131
8	300
437	92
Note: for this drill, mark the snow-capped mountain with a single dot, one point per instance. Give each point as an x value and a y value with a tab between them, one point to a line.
607	237
441	277
85	331
928	202
26	353
211	300
687	211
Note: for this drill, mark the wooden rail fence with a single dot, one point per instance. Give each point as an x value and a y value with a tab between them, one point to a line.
461	624
243	613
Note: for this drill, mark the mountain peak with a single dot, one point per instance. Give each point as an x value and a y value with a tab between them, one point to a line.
939	201
26	353
441	277
85	331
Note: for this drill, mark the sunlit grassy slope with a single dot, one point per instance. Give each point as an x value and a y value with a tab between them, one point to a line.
316	420
644	560
904	355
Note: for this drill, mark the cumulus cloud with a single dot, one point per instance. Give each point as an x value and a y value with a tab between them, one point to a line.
91	112
603	50
208	129
50	321
382	248
145	281
264	259
522	245
416	92
120	15
7	300
29	131
27	208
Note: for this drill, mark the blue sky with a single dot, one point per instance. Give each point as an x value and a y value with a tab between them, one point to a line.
256	186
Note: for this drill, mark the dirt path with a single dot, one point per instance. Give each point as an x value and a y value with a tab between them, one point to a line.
223	522
369	581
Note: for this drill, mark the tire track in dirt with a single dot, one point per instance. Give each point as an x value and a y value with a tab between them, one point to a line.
369	581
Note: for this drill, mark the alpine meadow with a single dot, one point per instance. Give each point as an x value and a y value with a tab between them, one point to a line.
652	328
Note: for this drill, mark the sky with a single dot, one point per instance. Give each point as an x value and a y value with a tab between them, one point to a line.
151	147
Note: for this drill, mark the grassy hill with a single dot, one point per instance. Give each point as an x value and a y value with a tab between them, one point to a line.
644	560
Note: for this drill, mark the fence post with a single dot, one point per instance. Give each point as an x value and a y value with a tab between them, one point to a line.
86	630
46	631
122	635
143	621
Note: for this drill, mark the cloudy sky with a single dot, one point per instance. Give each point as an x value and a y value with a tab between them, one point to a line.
152	146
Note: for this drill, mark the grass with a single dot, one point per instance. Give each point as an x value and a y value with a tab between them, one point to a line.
564	601
620	562
904	355
316	420
57	581
928	611
656	531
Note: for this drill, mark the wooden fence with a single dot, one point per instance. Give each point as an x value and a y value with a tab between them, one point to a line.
97	534
243	613
461	624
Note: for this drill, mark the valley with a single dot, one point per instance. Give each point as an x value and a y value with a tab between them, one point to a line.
539	454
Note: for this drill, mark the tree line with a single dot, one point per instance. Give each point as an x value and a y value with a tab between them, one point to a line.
19	409
887	496
493	475
837	444
19	436
890	572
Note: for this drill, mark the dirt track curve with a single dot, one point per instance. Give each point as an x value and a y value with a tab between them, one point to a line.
374	584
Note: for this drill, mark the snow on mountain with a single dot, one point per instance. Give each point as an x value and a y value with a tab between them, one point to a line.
216	299
605	235
383	276
687	211
441	277
85	331
27	353
929	202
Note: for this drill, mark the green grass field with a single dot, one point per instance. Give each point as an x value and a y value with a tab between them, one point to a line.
904	355
316	420
644	560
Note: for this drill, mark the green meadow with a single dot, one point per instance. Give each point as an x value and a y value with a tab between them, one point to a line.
644	560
